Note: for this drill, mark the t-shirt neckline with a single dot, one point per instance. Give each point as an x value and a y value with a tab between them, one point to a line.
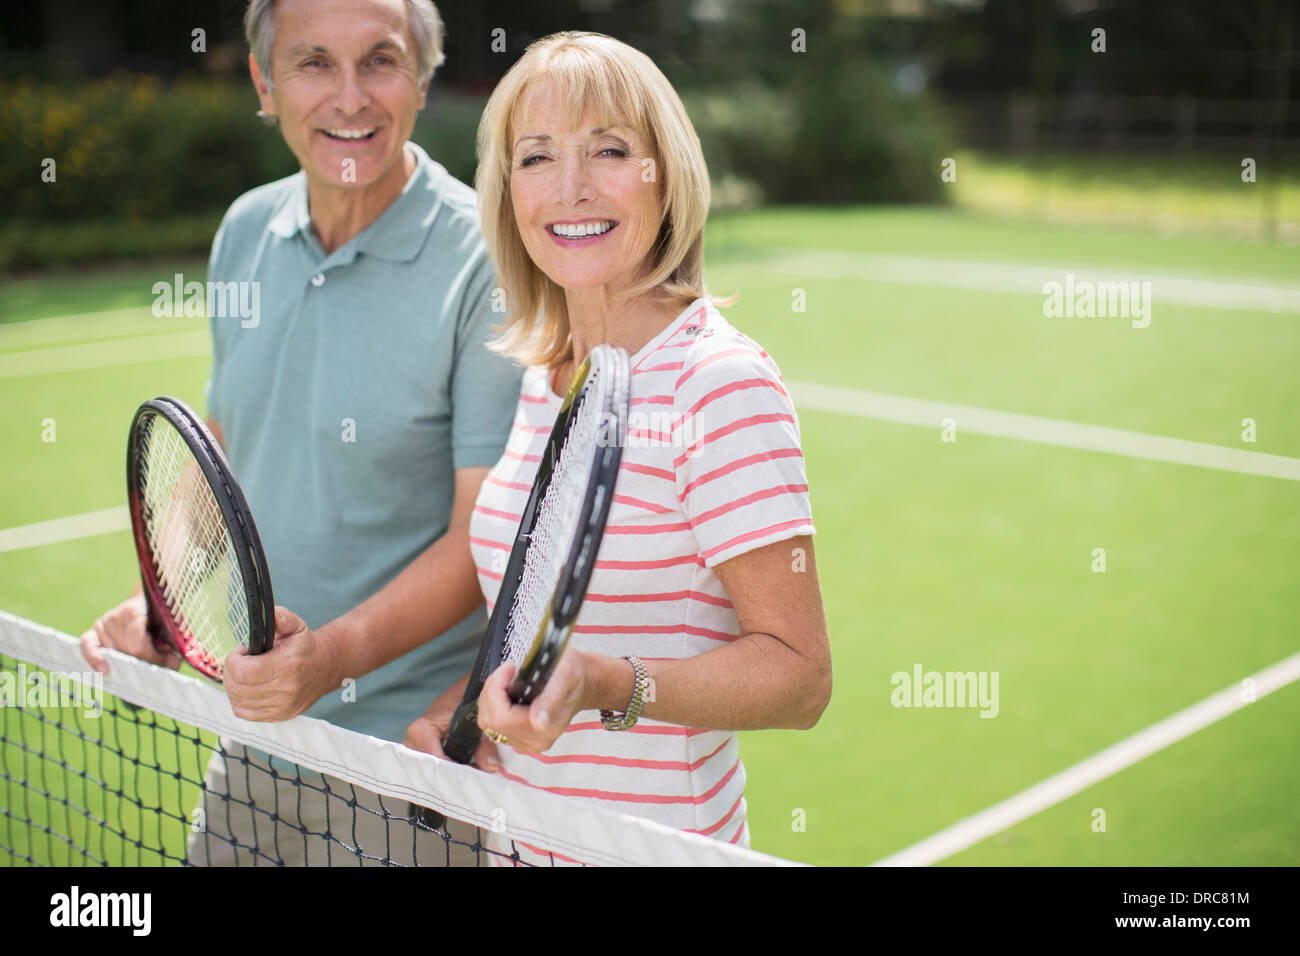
666	333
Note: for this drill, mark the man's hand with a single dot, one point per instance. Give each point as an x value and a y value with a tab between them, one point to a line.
297	671
533	728
123	629
428	731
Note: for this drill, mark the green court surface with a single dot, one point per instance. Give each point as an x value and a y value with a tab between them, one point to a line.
970	555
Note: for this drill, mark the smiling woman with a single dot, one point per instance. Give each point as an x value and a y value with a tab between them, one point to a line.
703	615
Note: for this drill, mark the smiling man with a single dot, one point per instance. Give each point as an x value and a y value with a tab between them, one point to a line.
360	414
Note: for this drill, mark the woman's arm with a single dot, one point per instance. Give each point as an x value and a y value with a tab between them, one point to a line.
777	674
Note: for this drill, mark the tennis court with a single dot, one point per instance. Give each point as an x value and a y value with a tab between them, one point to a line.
961	522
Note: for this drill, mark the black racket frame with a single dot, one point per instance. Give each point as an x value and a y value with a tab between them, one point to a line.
463	736
239	521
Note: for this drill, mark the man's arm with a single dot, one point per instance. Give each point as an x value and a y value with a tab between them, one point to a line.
217	433
434	592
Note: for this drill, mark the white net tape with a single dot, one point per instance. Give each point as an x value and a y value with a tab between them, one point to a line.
582	830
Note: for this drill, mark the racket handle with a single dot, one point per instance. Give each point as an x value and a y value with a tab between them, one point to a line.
462	740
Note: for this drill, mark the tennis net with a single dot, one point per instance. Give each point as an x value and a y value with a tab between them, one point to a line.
145	767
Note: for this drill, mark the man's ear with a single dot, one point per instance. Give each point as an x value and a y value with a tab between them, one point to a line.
424	92
259	84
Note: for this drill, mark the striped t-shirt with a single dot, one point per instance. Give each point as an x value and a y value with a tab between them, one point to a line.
712	468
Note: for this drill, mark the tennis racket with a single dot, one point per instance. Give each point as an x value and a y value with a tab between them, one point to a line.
206	584
555	547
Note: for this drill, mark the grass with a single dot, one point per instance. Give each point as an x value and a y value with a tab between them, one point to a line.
968	556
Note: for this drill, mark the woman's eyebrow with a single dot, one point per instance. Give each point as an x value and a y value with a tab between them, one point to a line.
544	137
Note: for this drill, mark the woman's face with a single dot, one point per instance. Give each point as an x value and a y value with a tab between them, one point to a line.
586	200
346	90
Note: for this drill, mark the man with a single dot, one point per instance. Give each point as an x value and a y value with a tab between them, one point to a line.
360	411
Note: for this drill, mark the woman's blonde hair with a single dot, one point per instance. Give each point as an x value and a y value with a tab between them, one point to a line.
626	89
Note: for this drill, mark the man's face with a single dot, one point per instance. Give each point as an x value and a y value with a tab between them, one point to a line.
345	76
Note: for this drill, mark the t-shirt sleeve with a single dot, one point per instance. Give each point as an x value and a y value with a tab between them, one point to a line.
740	475
215	267
485	384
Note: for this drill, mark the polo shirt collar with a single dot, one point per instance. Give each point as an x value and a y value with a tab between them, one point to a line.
400	231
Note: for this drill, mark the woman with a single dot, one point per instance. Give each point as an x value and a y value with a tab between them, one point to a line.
704	607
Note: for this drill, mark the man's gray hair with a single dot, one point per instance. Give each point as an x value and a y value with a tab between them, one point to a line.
426	27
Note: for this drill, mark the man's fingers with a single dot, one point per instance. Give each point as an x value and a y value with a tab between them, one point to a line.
92	651
424	736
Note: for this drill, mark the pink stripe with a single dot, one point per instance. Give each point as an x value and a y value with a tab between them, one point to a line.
532	399
666	367
512	485
489	543
648	565
647	505
516	456
642	528
665	596
750	536
659	438
633	762
738	464
669	629
652	400
749	499
715	357
624	797
710	830
647	470
493	513
723	390
728	429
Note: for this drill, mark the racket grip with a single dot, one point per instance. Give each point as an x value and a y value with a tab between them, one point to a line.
462	740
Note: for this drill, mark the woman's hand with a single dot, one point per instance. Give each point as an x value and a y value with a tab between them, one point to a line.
430	729
534	727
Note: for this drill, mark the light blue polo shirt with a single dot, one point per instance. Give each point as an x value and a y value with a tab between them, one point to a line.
349	403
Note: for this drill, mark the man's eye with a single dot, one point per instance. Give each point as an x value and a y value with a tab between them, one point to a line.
383	60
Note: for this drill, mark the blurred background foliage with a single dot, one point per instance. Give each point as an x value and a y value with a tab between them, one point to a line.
154	139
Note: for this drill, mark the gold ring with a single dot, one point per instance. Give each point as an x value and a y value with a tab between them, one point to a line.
495	737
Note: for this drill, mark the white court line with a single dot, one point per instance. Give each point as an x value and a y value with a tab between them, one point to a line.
1047	431
1027	279
72	528
97	355
871	405
966	833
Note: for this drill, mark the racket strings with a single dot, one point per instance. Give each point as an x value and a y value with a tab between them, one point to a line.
194	558
556	524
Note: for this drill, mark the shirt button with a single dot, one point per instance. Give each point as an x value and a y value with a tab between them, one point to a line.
318	279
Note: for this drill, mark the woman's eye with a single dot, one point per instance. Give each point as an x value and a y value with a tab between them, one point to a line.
530	160
618	153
